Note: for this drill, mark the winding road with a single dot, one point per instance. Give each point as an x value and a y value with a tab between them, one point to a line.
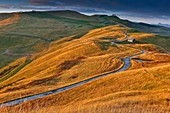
123	68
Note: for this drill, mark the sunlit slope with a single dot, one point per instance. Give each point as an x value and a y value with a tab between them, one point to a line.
139	90
151	59
71	60
68	61
11	20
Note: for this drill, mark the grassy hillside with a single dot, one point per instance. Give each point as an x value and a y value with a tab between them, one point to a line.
4	16
160	41
42	51
68	61
31	30
28	32
145	89
71	59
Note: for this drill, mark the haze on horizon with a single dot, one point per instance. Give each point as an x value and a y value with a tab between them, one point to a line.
148	11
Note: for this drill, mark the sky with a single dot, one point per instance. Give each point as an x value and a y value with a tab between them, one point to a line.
148	11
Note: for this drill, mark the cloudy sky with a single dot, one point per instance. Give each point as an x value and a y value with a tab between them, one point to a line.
150	11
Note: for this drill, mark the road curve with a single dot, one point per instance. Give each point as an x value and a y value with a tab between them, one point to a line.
18	101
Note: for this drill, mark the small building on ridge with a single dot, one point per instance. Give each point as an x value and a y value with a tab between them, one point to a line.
131	40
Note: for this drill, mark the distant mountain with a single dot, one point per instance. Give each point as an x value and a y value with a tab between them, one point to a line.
165	25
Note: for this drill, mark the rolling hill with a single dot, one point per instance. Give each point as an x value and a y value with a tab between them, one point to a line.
44	51
30	32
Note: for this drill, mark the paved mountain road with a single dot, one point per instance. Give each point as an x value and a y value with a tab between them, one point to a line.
123	68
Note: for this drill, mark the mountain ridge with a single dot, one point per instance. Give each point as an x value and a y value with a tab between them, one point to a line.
79	13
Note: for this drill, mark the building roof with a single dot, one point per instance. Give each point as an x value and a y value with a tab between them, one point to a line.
131	38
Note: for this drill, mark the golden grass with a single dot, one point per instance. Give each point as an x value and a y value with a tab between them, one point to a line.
139	36
13	64
10	20
114	32
146	47
67	62
151	59
154	56
138	91
97	107
83	69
